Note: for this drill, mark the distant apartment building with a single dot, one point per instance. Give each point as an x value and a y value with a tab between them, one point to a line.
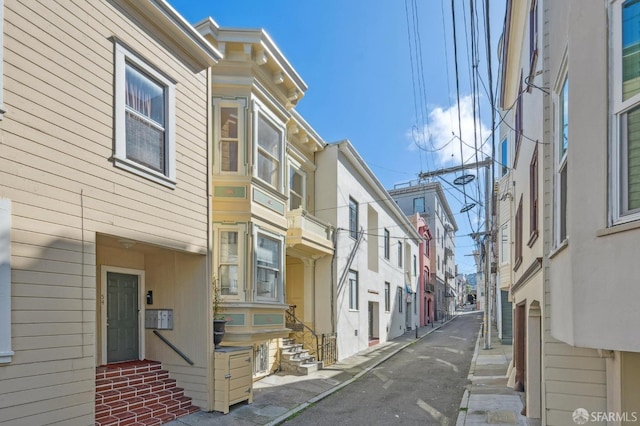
428	200
373	275
426	291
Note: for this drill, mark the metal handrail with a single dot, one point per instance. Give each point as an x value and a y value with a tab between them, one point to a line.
291	318
172	346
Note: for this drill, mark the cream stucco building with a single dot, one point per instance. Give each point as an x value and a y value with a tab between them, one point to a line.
569	96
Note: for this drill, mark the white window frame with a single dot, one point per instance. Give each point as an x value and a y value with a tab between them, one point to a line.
6	354
261	111
560	162
104	270
241	105
354	289
124	55
2	110
387	296
295	168
279	298
619	212
387	244
353	225
505	244
241	263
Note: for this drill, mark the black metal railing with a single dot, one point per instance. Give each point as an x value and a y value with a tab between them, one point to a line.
172	346
323	347
329	348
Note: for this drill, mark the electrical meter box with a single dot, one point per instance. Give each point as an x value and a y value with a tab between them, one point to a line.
159	319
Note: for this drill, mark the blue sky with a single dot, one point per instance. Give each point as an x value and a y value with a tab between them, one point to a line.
381	73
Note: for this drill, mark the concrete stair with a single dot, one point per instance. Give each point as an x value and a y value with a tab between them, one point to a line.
296	360
138	393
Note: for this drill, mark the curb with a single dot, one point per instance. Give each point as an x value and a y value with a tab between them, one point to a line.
464	403
283	417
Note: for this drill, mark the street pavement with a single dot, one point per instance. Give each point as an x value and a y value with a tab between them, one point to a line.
279	397
421	384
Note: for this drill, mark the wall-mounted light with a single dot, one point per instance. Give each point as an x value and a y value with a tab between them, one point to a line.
126	243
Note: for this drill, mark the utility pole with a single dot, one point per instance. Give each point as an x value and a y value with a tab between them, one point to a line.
487	258
488	234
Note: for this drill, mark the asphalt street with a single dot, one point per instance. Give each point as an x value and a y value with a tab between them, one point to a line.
421	385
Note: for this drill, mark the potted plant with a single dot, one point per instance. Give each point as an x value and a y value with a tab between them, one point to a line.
219	320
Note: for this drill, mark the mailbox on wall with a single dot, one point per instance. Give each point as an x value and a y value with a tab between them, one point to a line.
159	319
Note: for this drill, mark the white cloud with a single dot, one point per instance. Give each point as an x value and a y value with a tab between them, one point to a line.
442	136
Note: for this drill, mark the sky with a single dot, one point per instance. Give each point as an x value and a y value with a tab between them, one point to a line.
382	74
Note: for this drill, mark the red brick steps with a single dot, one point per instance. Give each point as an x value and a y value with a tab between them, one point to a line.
138	393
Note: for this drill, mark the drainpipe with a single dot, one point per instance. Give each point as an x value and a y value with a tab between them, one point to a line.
333	275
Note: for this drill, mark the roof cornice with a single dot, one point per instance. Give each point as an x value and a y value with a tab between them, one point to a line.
174	25
262	42
356	160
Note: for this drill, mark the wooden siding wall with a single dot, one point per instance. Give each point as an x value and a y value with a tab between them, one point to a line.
56	139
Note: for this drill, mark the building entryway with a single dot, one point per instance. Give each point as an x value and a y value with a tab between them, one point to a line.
122	317
374	320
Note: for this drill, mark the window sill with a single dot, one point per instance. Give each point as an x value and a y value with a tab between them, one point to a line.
532	238
563	245
133	167
628	226
6	358
516	266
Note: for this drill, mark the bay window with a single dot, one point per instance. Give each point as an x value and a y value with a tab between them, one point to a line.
229	263
297	188
229	119
561	150
269	280
625	156
269	141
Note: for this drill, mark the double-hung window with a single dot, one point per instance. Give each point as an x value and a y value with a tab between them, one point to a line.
518	248
229	266
533	197
353	218
144	118
269	141
297	188
625	145
269	280
353	290
560	154
229	119
418	205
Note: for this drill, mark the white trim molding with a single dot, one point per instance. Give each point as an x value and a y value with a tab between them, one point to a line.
6	354
104	269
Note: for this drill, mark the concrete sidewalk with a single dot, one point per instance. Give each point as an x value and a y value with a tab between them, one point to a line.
487	399
279	396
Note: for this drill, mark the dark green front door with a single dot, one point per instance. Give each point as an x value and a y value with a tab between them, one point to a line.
122	317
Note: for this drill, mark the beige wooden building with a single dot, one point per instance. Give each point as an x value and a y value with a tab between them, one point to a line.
104	198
